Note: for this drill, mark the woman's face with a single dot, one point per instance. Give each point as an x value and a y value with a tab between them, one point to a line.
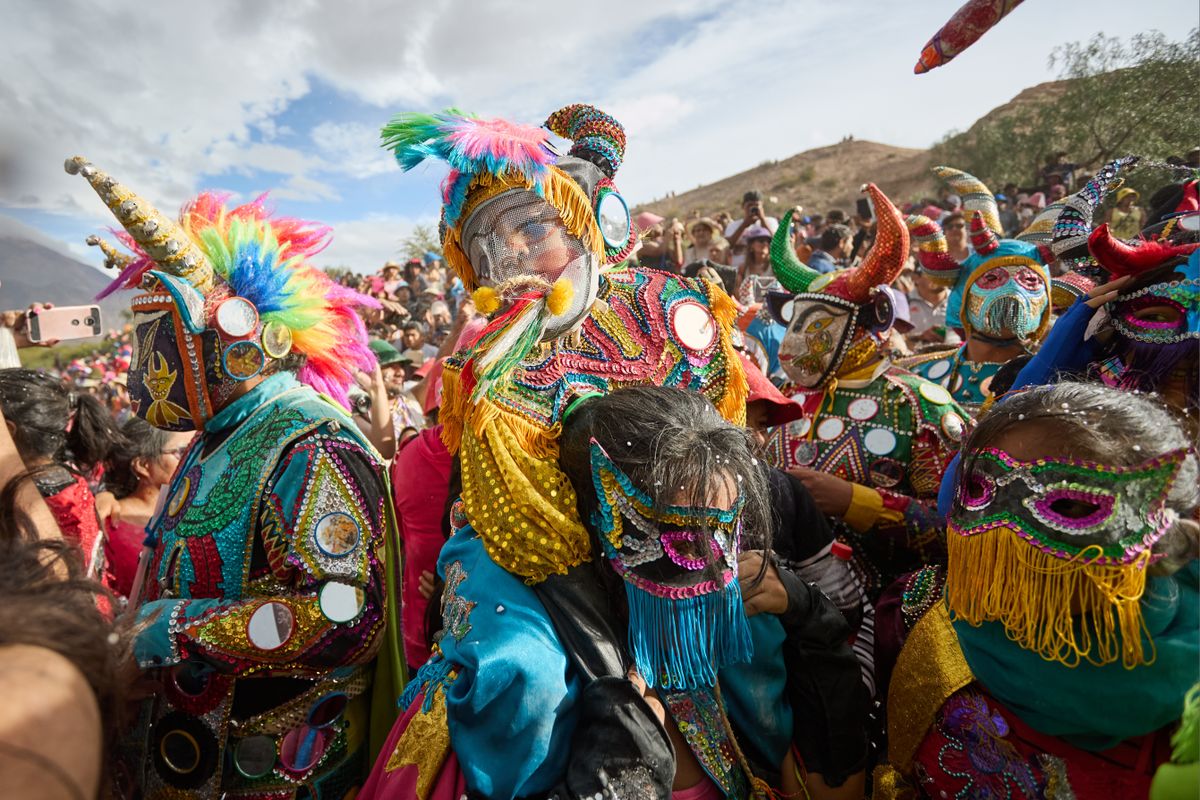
702	235
163	467
759	249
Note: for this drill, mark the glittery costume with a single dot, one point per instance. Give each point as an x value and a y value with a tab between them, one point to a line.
1041	619
263	607
504	398
1000	294
1149	336
884	429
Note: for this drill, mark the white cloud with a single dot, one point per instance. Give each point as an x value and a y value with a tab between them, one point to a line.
365	244
163	94
352	148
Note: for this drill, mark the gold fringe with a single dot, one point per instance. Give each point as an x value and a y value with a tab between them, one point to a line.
732	404
1063	610
453	410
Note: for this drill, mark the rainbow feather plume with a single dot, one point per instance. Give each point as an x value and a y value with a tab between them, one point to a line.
267	260
471	146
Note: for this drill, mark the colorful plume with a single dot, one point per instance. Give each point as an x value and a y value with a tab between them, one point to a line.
471	146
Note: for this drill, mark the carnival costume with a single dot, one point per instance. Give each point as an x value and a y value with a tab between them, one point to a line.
884	429
529	231
264	603
1148	337
1017	652
1001	294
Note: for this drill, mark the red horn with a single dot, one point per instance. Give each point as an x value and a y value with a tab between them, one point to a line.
982	237
886	258
1120	257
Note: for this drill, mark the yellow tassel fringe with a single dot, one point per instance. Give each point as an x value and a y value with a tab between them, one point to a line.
732	404
1065	611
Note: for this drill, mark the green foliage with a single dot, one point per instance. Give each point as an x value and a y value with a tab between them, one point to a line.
423	239
61	354
1139	97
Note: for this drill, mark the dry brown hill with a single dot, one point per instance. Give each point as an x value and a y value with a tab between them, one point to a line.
830	177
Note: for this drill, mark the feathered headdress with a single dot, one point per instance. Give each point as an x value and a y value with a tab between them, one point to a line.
245	251
488	157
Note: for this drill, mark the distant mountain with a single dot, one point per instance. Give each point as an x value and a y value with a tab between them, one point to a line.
830	177
35	268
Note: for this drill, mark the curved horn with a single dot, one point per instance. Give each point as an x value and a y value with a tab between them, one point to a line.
1122	258
886	258
1041	228
975	195
983	238
597	136
1070	235
159	236
792	273
113	258
932	251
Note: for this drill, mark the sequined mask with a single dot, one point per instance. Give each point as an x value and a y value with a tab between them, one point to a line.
1165	312
168	384
1069	508
820	329
679	564
1008	300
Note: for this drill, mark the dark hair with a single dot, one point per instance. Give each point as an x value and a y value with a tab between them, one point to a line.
667	441
45	601
140	439
836	216
752	196
413	325
833	235
954	216
1110	426
54	423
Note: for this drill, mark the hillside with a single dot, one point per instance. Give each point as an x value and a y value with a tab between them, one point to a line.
33	268
830	177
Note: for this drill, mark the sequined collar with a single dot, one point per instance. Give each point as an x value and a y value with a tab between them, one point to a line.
241	408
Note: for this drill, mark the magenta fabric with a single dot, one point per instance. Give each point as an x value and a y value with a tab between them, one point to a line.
122	550
420	488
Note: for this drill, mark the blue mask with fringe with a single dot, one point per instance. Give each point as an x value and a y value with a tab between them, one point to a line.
679	563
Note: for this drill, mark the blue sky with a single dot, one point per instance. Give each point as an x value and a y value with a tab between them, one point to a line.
243	96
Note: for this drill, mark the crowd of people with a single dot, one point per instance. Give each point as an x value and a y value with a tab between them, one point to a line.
898	503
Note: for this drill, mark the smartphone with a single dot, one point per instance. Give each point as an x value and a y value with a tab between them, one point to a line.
864	208
65	322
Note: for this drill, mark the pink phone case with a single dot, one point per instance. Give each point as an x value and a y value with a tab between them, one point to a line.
68	322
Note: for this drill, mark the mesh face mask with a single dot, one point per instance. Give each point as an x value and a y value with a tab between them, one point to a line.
517	240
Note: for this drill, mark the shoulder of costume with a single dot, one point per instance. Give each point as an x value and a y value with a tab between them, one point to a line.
932	406
324	418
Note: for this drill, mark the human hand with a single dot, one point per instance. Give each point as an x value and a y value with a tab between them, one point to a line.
767	595
425	584
831	493
1106	292
18	322
648	694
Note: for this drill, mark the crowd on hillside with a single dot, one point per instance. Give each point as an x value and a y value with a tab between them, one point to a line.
941	540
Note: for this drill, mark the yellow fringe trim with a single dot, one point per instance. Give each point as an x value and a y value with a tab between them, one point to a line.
732	403
1063	610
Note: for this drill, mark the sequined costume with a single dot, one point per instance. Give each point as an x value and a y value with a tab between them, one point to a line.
528	231
1044	660
887	431
263	606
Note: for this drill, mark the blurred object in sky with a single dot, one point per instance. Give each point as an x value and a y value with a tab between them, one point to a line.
962	30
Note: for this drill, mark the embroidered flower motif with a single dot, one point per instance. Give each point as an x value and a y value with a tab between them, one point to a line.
456	610
977	751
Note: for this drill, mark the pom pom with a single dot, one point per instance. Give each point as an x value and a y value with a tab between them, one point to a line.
486	300
560	296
